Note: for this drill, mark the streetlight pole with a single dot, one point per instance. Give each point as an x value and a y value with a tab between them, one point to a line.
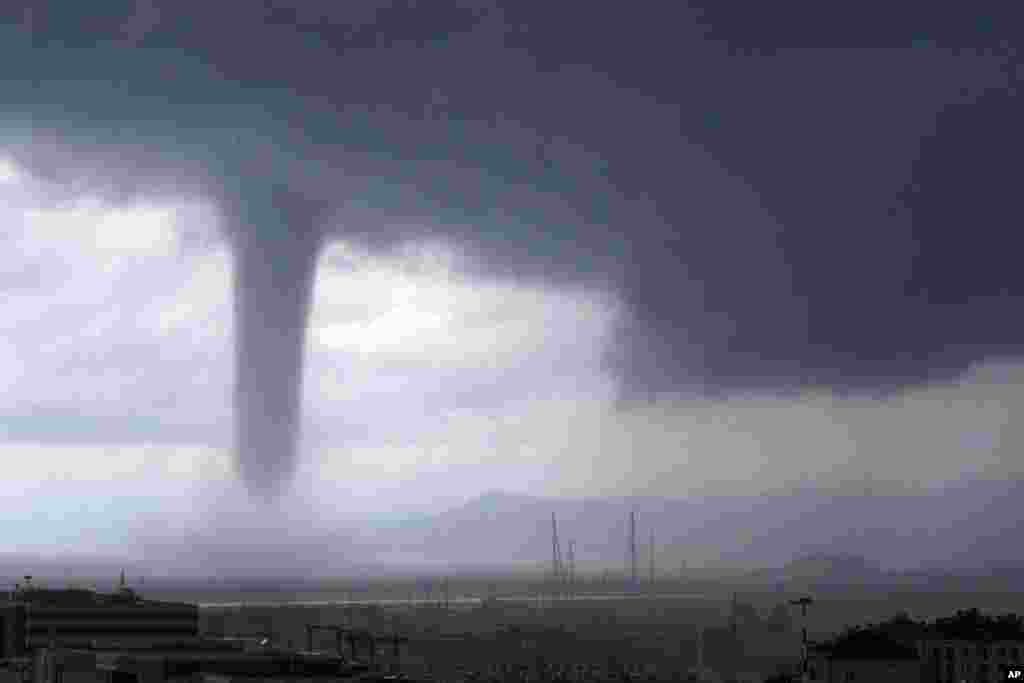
803	603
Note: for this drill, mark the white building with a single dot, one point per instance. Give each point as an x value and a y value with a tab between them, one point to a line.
951	661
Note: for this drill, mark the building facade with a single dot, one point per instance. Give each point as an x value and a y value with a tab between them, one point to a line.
954	660
12	631
863	656
79	618
934	657
825	669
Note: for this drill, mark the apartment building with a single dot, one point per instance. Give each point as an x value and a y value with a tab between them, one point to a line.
968	647
975	660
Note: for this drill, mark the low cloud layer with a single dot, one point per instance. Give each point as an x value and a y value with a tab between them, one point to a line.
114	313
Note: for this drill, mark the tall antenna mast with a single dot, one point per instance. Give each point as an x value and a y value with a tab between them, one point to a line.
572	563
632	546
650	547
556	553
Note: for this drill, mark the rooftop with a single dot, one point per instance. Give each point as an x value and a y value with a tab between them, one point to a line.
81	597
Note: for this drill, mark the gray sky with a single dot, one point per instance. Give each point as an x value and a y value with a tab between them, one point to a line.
424	387
675	253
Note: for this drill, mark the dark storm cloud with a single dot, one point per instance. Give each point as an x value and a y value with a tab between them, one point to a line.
876	256
775	212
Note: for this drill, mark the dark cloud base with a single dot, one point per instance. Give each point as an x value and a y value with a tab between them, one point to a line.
840	223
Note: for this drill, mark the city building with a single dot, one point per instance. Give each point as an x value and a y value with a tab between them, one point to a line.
863	656
82	636
77	618
968	646
950	661
158	665
971	646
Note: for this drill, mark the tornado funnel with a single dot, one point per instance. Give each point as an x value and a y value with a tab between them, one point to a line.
277	235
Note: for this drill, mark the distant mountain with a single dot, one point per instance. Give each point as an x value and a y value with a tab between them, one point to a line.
970	524
825	569
843	565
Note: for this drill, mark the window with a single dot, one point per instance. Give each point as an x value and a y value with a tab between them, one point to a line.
1002	652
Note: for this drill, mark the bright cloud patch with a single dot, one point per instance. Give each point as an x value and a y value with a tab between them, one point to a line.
416	366
9	172
419	377
584	445
417	308
115	328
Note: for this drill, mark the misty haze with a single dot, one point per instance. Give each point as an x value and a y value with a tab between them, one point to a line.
651	319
